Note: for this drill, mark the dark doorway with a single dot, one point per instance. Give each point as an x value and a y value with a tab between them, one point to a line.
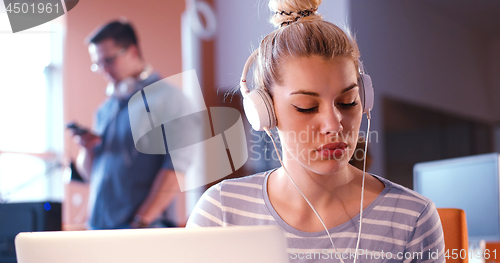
416	134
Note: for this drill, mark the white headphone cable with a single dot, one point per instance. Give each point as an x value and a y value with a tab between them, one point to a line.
305	198
312	207
363	185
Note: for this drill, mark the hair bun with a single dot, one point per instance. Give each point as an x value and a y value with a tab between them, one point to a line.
289	11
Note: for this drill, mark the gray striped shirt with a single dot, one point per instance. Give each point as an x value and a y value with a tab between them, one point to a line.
400	225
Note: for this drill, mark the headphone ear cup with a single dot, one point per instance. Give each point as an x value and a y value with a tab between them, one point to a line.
259	110
122	89
270	106
366	92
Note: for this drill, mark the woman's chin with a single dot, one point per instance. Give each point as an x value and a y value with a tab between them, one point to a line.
326	165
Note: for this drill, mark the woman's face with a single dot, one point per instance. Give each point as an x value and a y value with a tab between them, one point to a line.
319	112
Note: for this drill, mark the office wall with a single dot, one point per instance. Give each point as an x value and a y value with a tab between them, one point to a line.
494	74
418	55
242	24
495	85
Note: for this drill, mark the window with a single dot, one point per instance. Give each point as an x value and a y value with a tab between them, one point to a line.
31	135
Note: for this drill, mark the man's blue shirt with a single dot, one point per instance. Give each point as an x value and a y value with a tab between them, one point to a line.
121	176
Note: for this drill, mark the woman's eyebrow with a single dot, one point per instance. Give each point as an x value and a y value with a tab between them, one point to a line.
349	88
314	94
304	92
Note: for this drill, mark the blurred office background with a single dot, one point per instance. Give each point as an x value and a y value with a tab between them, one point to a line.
435	65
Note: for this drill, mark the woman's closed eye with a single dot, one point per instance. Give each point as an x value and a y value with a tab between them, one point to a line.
348	105
315	109
308	110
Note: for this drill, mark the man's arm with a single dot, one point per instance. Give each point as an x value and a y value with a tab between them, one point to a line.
85	157
163	191
84	163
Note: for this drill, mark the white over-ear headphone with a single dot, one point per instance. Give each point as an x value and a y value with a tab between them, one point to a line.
258	104
127	86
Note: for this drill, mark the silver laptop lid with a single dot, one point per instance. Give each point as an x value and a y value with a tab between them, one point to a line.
214	244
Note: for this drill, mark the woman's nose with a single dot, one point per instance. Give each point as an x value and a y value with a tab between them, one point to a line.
331	122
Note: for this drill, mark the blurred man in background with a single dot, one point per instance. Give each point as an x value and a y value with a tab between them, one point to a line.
128	189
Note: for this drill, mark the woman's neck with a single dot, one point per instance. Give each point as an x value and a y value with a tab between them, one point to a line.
318	188
339	191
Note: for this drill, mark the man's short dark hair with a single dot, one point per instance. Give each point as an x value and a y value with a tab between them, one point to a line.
121	32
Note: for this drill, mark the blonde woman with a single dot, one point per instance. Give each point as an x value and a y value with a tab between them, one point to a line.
310	69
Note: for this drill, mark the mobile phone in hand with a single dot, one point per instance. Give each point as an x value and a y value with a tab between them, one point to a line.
77	130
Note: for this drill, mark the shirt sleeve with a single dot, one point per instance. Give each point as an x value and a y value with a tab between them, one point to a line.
426	243
208	210
167	163
104	114
101	120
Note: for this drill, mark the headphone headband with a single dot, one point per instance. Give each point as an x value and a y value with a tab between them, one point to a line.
243	81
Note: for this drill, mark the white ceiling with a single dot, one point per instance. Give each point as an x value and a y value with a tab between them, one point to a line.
482	15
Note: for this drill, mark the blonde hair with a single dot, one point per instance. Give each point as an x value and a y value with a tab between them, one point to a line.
301	33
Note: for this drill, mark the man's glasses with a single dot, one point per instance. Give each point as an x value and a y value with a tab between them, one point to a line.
109	61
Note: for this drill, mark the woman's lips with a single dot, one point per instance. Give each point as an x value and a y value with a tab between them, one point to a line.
332	150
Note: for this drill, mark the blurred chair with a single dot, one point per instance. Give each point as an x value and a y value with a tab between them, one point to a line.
74	206
491	246
455	233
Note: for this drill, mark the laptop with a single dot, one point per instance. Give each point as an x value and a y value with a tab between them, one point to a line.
236	244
